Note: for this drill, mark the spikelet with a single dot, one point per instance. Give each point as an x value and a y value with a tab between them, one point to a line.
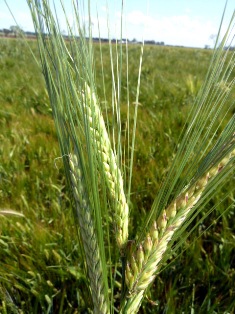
88	235
111	171
161	232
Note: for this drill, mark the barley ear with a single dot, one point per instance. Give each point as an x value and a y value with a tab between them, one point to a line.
89	238
111	171
157	240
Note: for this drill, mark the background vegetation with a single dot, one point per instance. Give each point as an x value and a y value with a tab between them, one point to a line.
39	256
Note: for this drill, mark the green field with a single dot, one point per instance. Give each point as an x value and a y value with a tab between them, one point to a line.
40	270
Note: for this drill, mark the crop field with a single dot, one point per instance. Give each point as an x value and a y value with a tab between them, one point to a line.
40	259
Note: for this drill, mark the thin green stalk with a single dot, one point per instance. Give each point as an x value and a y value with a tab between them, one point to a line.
135	121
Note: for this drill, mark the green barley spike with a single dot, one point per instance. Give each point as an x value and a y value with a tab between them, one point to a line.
162	232
111	170
88	235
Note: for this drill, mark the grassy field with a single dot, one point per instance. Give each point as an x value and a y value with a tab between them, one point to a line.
40	269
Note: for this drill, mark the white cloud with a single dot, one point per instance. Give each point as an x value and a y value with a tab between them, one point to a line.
175	30
25	20
22	18
139	18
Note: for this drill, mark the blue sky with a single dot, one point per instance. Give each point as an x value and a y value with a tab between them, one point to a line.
176	22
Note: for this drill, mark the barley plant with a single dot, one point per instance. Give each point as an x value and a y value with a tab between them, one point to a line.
97	132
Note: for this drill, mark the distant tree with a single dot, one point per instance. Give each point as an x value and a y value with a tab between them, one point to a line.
6	31
16	30
149	42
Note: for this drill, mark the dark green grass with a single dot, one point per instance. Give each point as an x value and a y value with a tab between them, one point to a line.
39	255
